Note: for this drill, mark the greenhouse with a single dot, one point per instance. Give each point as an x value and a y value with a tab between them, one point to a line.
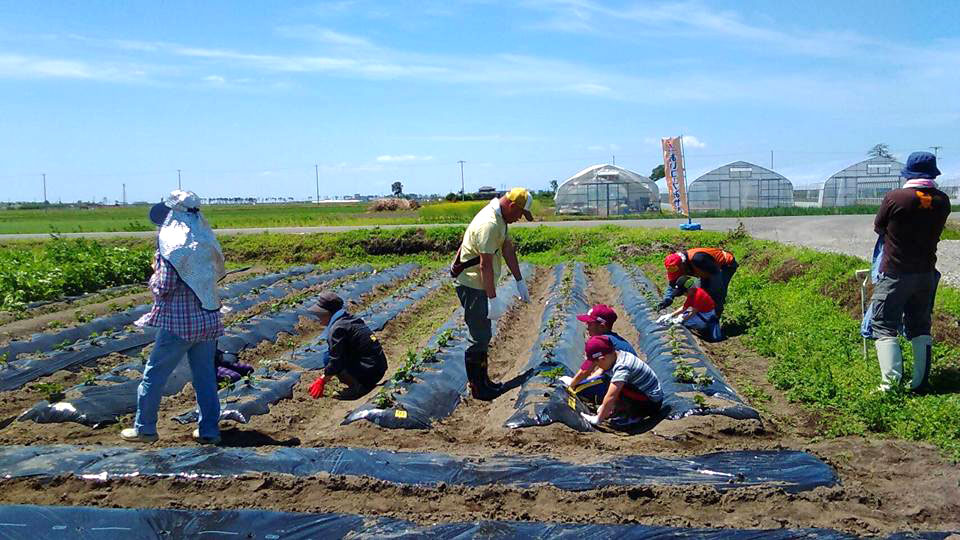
862	183
739	185
606	190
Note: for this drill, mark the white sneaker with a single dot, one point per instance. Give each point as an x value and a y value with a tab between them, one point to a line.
130	434
205	440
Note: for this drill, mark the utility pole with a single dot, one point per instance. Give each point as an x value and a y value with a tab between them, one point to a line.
771	160
124	194
614	159
179	186
316	168
936	150
463	192
44	187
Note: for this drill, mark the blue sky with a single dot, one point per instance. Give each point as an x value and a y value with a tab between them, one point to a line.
245	97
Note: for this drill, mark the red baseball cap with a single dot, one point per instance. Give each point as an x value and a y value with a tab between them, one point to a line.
674	265
596	347
600	313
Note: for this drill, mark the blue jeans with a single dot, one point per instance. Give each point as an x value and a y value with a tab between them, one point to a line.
168	350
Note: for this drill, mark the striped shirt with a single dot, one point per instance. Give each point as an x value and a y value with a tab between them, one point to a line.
631	370
177	309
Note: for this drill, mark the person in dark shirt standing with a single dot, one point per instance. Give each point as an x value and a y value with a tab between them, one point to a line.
354	355
910	220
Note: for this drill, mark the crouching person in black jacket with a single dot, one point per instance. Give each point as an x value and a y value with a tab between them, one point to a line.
354	356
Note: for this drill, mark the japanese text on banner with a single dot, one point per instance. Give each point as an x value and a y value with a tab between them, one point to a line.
674	171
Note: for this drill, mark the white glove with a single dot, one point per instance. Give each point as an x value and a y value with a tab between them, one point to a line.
592	419
495	308
677	320
522	290
663	318
565	379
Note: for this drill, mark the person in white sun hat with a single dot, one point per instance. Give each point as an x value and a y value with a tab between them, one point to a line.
186	314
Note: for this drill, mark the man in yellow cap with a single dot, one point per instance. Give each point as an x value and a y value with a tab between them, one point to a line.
477	267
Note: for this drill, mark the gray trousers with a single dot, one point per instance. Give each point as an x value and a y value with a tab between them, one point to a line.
474	302
906	299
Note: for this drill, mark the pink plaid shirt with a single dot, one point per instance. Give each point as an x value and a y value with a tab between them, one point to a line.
177	309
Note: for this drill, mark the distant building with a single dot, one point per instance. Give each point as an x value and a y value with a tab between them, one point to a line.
739	185
862	183
606	190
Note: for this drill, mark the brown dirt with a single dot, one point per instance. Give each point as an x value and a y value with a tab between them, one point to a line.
791	268
886	485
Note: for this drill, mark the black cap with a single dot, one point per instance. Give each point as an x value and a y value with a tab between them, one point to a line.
327	302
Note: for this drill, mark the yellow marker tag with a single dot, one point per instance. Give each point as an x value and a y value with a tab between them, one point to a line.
400	413
572	402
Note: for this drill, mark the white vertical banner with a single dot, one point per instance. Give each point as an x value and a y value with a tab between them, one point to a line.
673	170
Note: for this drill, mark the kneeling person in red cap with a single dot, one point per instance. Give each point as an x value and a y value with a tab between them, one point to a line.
698	312
632	388
713	266
588	383
354	355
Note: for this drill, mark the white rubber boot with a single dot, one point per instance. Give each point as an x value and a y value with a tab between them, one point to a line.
891	362
922	352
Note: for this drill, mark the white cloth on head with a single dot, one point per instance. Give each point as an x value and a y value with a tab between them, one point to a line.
188	243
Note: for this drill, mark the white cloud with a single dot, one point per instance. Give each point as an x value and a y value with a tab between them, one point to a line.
689	141
404	157
603	147
215	79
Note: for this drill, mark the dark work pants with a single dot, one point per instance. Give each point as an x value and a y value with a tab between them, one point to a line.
906	299
717	287
474	302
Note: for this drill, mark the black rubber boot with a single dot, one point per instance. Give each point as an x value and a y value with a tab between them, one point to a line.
495	388
480	388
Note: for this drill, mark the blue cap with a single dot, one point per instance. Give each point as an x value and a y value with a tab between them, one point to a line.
920	165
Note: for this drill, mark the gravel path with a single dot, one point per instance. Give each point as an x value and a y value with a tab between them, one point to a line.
851	235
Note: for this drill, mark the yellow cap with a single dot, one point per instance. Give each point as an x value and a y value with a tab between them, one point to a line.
522	197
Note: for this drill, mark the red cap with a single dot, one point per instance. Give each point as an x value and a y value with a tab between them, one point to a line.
674	265
600	313
597	346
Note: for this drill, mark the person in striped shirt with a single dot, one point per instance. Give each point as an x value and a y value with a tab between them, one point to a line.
632	389
186	314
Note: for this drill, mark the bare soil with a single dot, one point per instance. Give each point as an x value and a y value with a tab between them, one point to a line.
885	485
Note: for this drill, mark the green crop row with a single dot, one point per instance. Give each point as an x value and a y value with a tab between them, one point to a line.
67	268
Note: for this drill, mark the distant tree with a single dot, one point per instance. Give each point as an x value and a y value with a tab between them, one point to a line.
452	196
554	185
397	189
880	150
657	173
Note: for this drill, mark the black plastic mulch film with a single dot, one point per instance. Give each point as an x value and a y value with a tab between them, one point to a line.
237	297
96	405
255	395
789	470
437	389
544	399
115	321
29	522
656	344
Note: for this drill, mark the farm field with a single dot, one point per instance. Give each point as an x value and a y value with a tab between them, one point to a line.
133	218
790	383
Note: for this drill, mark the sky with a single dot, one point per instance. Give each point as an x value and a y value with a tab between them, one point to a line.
252	99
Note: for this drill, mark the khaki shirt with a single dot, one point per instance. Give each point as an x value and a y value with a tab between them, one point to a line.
485	234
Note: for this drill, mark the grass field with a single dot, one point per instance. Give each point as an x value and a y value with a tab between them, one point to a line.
134	218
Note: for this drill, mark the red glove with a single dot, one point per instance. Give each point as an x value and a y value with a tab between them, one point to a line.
316	389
